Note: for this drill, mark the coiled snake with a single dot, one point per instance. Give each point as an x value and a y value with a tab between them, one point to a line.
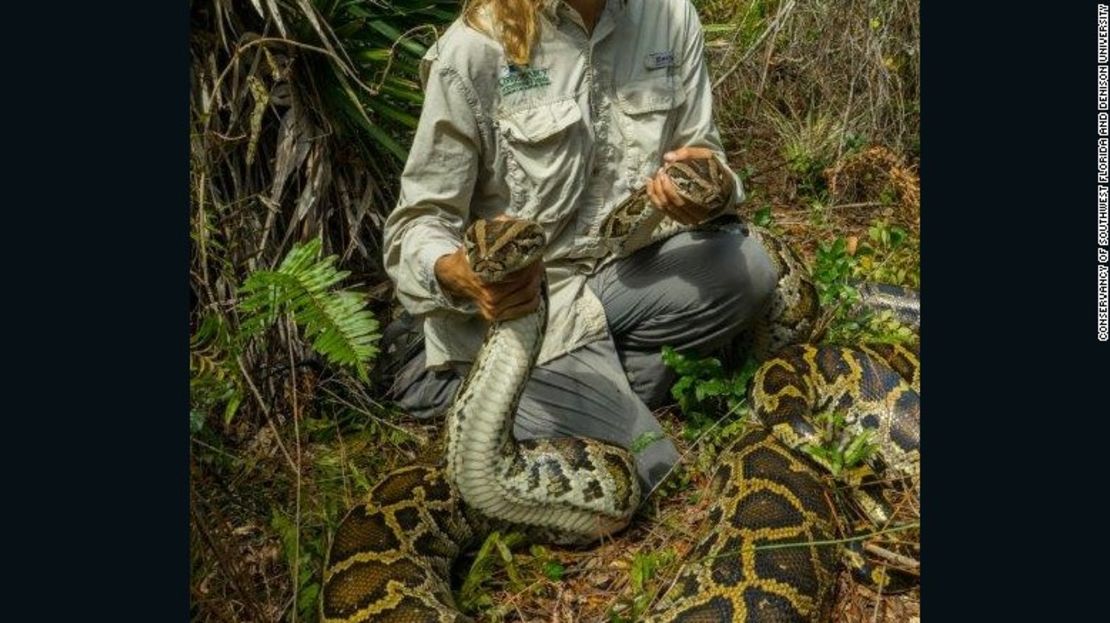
762	558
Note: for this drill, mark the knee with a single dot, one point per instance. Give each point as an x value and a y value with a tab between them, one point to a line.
758	271
743	278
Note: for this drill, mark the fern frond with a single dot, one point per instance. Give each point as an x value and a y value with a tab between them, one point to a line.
336	321
214	382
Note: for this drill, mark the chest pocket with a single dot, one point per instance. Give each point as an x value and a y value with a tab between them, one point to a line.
545	148
648	114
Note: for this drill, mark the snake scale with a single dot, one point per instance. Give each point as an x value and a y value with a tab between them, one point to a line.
764	555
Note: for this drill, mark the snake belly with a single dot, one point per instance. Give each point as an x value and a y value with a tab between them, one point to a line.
763	556
571	489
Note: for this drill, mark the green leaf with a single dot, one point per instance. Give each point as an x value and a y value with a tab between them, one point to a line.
232	407
362	483
306	599
643	568
503	550
553	570
393	34
644	440
763	217
196	421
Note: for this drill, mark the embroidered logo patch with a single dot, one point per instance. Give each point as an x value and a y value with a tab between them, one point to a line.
515	78
655	60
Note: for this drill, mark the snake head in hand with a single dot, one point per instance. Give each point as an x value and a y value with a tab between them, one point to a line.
500	247
691	187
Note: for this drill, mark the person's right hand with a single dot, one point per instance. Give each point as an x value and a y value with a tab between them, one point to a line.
517	296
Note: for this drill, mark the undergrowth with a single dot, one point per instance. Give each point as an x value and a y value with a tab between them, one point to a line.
644	568
838	451
303	289
889	255
713	401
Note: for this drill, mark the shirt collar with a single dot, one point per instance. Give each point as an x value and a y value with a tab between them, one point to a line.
551	7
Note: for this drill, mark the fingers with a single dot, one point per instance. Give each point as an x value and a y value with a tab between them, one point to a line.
664	195
687	153
518	295
519	304
666	184
659	199
524	293
654	194
689	213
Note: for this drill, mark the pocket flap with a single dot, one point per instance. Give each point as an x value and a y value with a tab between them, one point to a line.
651	95
534	124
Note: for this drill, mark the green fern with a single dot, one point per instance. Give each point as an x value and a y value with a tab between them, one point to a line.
214	381
336	321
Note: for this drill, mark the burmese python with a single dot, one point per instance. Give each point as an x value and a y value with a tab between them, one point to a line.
391	556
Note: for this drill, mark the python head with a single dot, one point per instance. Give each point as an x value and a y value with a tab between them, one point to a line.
701	181
496	248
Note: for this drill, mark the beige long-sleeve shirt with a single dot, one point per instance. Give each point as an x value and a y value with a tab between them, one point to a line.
561	141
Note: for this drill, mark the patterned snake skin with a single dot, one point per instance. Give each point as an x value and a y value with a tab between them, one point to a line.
577	489
765	555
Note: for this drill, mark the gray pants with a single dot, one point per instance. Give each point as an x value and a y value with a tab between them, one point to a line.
693	291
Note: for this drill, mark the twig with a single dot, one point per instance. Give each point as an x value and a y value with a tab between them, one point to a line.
861	204
215	449
821	543
682	458
225	562
774	25
780	19
343	463
266	411
229	138
878	601
393	48
377	419
680	461
297	441
261	40
895	557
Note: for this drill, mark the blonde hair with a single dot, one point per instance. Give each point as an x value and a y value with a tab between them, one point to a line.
515	24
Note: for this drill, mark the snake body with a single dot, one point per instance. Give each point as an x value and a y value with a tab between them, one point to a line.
578	489
761	558
903	303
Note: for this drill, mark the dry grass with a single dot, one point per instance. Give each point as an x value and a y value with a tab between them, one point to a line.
804	92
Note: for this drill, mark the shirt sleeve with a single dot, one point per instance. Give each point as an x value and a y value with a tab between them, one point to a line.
436	188
695	127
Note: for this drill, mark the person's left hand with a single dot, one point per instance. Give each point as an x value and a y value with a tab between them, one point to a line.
662	192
